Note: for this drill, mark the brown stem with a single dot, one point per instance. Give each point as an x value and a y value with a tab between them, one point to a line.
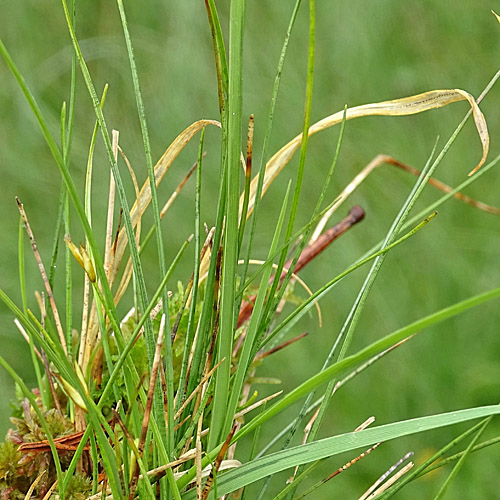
45	279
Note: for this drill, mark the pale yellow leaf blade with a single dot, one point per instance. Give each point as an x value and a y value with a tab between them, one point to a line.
397	107
160	169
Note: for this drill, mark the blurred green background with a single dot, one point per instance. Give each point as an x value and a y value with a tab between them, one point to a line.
366	52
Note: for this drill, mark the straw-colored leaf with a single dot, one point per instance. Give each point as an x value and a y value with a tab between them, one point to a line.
34	485
398	107
160	170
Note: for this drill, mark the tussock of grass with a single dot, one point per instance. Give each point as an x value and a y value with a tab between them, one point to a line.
154	403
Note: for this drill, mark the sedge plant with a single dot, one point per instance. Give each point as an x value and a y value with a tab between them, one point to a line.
150	392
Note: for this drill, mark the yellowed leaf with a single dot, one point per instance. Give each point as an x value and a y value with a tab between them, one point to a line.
398	107
160	170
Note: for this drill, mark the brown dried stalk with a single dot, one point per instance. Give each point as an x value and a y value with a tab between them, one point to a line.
51	383
178	189
45	279
197	389
360	427
261	355
216	465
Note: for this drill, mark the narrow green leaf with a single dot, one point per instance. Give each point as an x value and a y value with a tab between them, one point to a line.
462	459
230	242
158	397
352	361
282	460
265	147
366	353
220	56
196	276
252	337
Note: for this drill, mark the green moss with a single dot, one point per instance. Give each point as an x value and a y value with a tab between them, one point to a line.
79	488
9	462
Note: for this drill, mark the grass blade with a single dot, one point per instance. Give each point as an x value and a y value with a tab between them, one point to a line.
282	460
230	242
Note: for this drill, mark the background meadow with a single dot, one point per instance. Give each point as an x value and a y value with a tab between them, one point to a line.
366	52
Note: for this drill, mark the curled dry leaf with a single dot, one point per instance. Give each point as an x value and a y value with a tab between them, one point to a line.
398	107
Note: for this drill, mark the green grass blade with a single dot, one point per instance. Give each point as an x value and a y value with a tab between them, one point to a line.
300	172
253	333
230	242
430	463
397	225
98	264
300	232
121	194
457	456
272	306
22	281
158	401
299	311
460	187
355	312
138	273
220	56
196	275
252	454
64	206
462	459
282	460
469	180
292	486
72	97
366	353
351	361
391	236
46	429
128	347
267	139
206	316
